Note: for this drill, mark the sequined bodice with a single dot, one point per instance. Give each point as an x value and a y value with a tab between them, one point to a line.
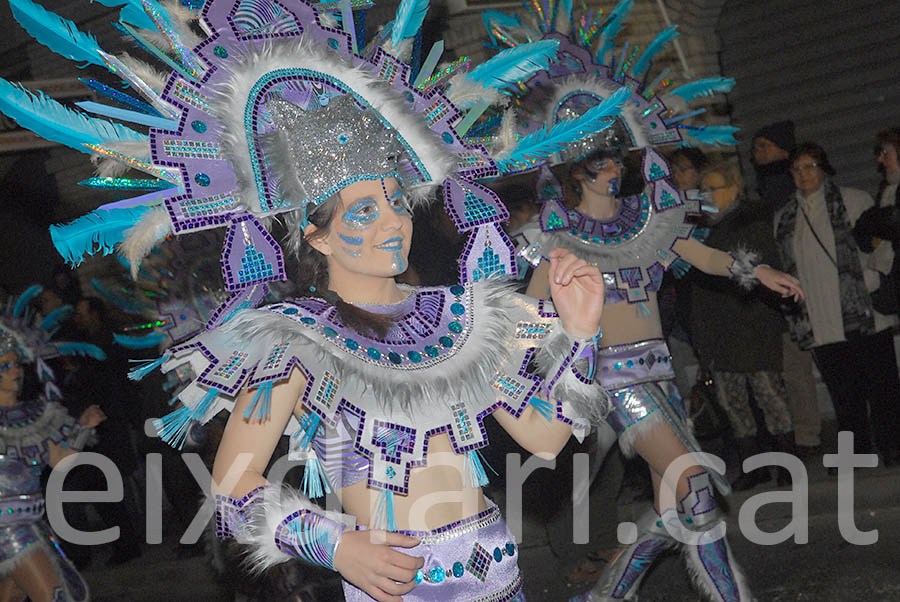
18	477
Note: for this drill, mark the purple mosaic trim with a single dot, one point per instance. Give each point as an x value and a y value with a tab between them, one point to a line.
251	255
21	414
231	513
700	496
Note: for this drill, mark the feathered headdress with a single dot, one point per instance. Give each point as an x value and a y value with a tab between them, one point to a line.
32	339
268	114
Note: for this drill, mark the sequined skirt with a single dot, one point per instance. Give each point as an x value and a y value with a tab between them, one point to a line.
18	540
474	559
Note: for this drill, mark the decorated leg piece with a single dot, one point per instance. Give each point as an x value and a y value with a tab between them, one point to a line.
623	575
279	525
708	557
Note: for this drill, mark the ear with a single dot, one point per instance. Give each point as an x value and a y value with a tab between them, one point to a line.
578	173
319	243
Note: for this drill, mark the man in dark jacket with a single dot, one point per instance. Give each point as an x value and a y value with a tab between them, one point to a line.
772	144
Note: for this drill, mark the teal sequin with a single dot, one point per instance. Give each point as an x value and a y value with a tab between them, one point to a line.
198	126
446	341
329	331
373	353
414	356
291	311
437	574
419	576
351	344
448	138
498	554
432	351
202	179
457	289
457	309
307	320
220	52
455	327
510	549
458	569
395	358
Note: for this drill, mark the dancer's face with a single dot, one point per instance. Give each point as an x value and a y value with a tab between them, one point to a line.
601	176
371	230
11	373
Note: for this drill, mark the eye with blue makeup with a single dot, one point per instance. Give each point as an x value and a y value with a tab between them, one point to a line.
361	214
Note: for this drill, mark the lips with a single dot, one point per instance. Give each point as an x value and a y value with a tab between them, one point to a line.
391	244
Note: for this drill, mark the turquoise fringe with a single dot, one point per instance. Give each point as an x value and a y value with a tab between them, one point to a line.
474	469
384	512
314	484
309	426
643	311
543	406
264	398
146	367
173	428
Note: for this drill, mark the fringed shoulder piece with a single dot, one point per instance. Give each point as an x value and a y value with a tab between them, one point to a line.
454	355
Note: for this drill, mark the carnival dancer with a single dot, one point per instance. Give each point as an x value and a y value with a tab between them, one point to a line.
633	240
383	388
35	433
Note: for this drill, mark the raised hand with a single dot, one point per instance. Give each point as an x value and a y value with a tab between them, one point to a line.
376	568
783	284
91	416
577	291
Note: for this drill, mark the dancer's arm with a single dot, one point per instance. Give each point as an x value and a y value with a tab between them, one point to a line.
281	524
719	263
81	434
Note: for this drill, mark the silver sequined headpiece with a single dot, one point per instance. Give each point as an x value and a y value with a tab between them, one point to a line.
319	149
614	139
7	342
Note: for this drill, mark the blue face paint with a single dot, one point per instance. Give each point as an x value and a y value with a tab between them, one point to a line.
351	252
361	215
613	188
351	240
398	263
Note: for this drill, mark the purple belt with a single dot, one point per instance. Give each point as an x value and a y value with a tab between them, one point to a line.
21	508
634	363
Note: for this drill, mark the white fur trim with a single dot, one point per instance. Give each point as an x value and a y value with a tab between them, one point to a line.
232	97
639	430
140	239
743	269
701	580
49	423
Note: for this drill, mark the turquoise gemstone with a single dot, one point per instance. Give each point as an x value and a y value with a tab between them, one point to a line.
448	138
419	576
395	358
351	344
457	289
688	519
455	327
498	555
306	320
202	179
510	549
333	43
290	310
373	353
198	126
458	569
432	351
659	523
414	356
630	363
617	365
457	309
446	341
437	574
329	331
220	52
641	361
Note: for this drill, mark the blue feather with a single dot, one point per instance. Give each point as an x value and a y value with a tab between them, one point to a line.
58	34
101	227
56	317
25	298
665	36
85	349
133	12
549	140
409	19
147	341
514	64
50	120
123	302
613	25
712	135
704	87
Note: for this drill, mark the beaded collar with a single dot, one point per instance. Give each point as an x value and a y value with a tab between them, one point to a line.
21	414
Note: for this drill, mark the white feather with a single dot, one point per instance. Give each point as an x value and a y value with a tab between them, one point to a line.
153	78
505	140
182	17
231	99
464	92
140	239
108	167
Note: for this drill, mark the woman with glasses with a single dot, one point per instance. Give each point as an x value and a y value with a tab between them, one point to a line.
851	342
737	333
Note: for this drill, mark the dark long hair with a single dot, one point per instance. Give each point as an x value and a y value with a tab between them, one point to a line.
312	274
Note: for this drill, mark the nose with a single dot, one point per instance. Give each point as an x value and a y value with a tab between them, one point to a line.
389	218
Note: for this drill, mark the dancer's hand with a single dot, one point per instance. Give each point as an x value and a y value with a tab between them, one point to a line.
783	284
91	416
376	568
577	290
